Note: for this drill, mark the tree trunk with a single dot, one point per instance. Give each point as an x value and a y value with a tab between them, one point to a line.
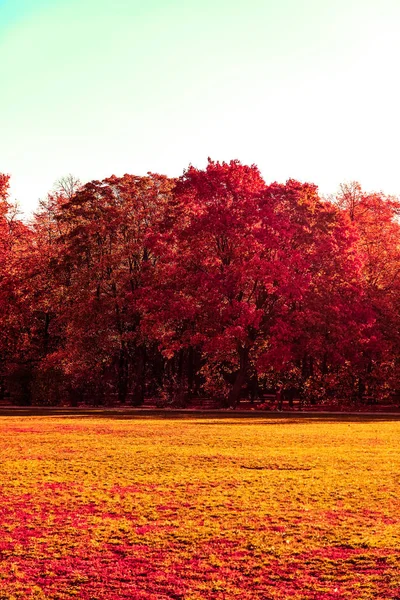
234	394
122	384
140	377
190	372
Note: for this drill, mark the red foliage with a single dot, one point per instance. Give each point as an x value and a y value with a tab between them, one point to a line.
210	284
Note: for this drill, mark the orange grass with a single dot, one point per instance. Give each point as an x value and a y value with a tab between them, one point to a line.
97	508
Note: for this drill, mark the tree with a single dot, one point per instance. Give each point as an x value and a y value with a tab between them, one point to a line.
103	258
67	186
375	217
16	353
224	275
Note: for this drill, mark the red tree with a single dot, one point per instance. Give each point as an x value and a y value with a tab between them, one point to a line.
225	278
375	217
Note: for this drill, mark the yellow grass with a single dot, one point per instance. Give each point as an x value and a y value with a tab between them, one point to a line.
103	508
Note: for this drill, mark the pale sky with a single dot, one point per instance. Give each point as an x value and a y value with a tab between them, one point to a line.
303	88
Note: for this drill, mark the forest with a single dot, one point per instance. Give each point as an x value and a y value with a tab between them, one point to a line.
210	285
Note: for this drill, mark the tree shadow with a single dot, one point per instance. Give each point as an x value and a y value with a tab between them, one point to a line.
207	417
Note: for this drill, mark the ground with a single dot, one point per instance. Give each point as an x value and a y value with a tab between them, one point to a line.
118	505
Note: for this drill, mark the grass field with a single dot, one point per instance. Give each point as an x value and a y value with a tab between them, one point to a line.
152	508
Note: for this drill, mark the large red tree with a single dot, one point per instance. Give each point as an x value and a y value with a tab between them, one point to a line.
225	277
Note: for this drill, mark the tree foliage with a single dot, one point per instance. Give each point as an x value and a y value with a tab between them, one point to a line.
212	284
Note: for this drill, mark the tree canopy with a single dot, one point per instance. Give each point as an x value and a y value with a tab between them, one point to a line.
210	284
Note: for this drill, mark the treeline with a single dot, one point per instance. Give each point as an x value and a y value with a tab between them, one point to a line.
210	285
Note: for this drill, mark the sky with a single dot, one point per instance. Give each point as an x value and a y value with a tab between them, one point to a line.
307	89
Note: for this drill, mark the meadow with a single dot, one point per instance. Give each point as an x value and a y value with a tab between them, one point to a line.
98	507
